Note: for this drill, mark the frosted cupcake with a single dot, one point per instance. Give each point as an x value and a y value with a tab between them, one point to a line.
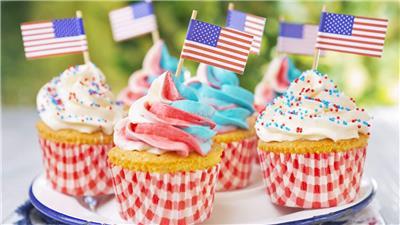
165	164
312	146
77	112
281	72
234	107
156	62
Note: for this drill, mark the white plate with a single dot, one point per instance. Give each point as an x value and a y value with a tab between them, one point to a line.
249	205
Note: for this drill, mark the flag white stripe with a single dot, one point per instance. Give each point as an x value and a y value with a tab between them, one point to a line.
38	31
372	21
130	34
56	51
253	32
55	40
369	27
214	48
233	47
368	33
36	26
55	45
129	27
212	54
212	61
235	34
254	26
350	43
37	37
380	41
355	50
255	19
139	23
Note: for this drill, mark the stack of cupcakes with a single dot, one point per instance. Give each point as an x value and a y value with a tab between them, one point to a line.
165	163
312	144
220	89
78	112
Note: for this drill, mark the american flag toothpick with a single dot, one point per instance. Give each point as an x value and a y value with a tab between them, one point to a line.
54	37
217	46
350	34
249	23
134	20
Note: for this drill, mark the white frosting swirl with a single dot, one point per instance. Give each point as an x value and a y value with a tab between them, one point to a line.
312	109
79	99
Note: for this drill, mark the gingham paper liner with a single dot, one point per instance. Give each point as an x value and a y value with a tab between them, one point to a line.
312	180
236	164
154	198
77	169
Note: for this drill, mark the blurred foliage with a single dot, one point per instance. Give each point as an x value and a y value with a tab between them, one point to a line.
372	81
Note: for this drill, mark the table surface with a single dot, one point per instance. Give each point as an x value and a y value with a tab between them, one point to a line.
21	158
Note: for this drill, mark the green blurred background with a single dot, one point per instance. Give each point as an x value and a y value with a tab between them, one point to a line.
372	81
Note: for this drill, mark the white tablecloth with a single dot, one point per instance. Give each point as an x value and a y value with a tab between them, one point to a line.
22	158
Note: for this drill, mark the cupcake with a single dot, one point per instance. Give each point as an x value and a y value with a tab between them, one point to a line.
312	146
220	89
156	62
165	164
77	114
281	72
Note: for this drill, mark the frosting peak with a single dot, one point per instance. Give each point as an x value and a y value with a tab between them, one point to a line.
79	99
281	71
157	61
220	89
165	120
312	108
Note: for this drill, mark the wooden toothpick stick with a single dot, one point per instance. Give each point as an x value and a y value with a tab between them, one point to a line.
231	6
317	51
181	60
86	57
155	35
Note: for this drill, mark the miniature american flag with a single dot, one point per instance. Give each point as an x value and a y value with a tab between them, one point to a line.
132	21
297	38
221	47
352	34
56	37
251	24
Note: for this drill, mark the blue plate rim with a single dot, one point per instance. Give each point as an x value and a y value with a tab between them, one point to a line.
316	219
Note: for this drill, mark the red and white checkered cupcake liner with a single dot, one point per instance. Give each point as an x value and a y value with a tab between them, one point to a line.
312	180
170	198
236	164
77	169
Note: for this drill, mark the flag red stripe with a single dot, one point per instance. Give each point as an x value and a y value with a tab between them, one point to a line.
211	63
56	54
348	46
212	57
234	44
372	31
39	28
29	35
253	28
238	33
370	24
365	54
357	41
235	38
369	18
36	22
221	47
366	36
